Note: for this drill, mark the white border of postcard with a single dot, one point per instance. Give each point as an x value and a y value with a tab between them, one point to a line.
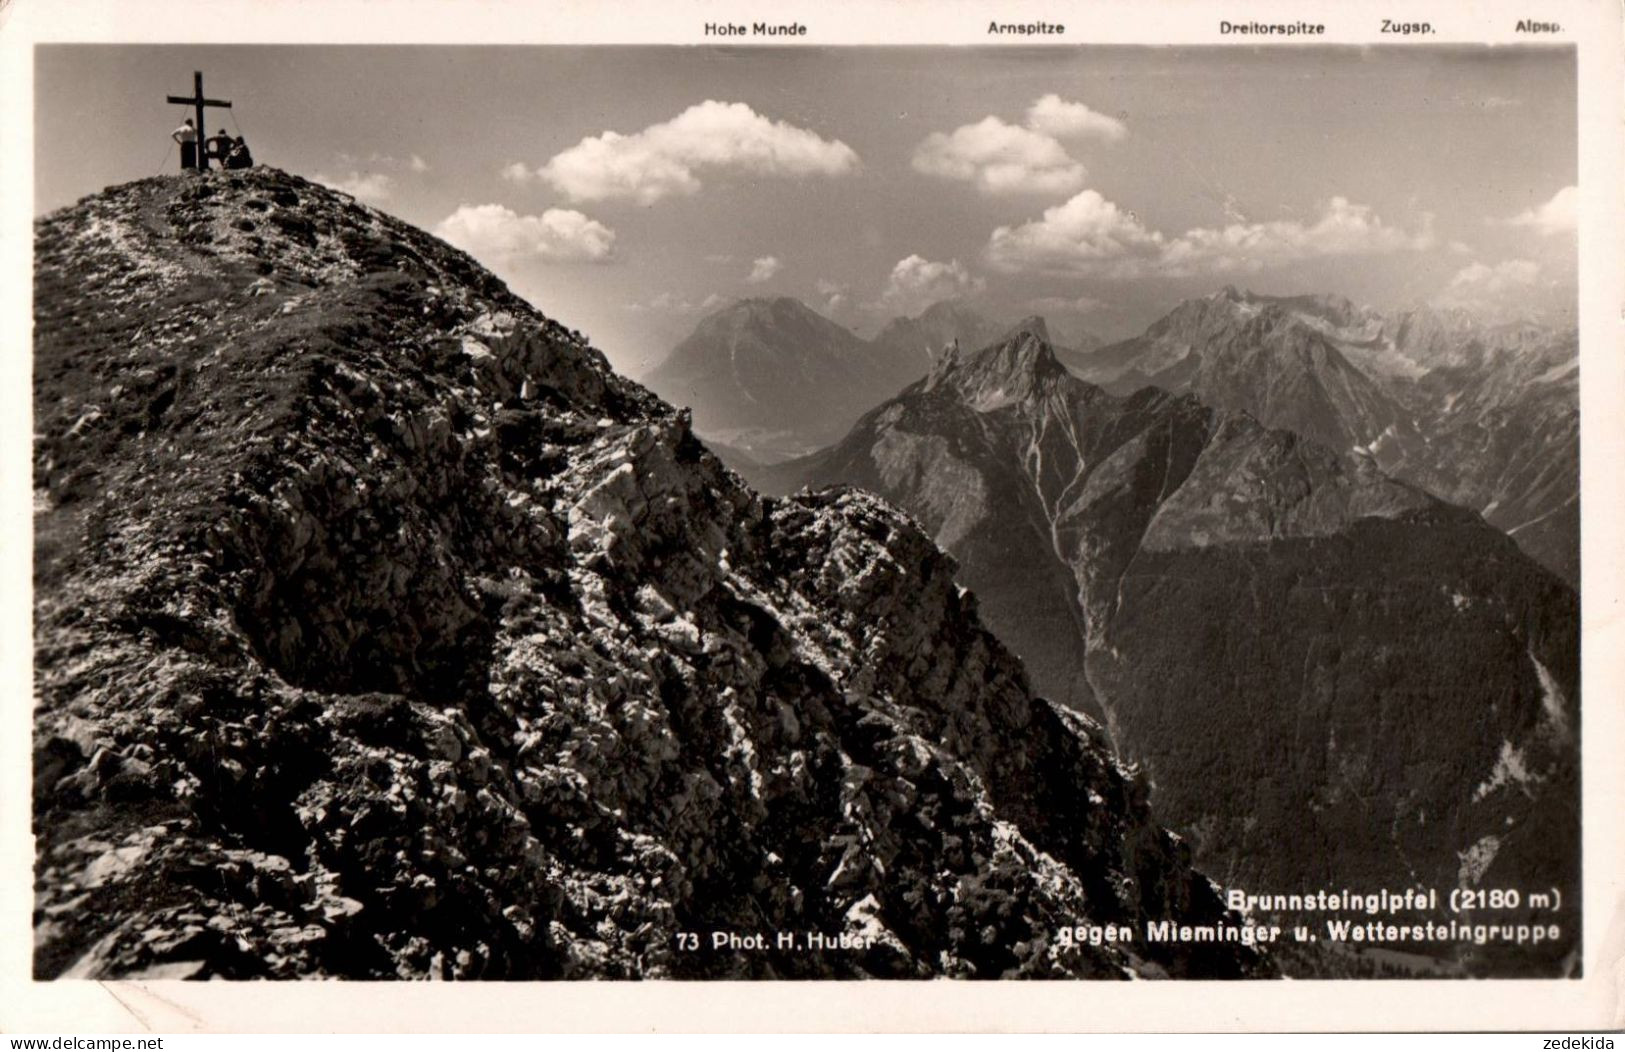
1596	1001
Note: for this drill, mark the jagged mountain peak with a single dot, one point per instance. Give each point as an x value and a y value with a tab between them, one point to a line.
1325	312
1015	368
1032	325
1222	307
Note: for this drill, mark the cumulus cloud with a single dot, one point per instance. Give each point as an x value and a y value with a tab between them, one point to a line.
1091	235
916	282
1087	233
1056	116
667	159
373	177
1560	215
1343	229
1002	158
1478	282
375	187
558	235
763	269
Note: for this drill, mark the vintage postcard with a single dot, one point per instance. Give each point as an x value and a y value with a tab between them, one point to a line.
807	501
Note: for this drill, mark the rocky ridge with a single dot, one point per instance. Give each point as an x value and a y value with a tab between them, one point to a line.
383	631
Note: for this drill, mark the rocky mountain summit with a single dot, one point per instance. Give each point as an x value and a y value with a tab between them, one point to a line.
1331	677
383	631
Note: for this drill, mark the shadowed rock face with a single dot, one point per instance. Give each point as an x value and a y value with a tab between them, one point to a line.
1332	678
382	630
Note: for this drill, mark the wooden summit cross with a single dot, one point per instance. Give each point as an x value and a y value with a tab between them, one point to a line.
197	99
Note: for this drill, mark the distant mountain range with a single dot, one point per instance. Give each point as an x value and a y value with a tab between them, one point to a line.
917	341
1259	356
769	379
1299	648
1484	414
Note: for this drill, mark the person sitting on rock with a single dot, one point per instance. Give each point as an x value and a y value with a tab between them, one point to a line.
219	147
238	156
186	135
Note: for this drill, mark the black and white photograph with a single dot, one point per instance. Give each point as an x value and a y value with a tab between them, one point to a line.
743	508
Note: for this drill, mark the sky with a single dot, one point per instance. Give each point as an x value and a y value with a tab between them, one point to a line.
628	191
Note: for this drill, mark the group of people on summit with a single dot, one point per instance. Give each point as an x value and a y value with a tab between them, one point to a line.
228	152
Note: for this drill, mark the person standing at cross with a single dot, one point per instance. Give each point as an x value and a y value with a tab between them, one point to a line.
186	135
